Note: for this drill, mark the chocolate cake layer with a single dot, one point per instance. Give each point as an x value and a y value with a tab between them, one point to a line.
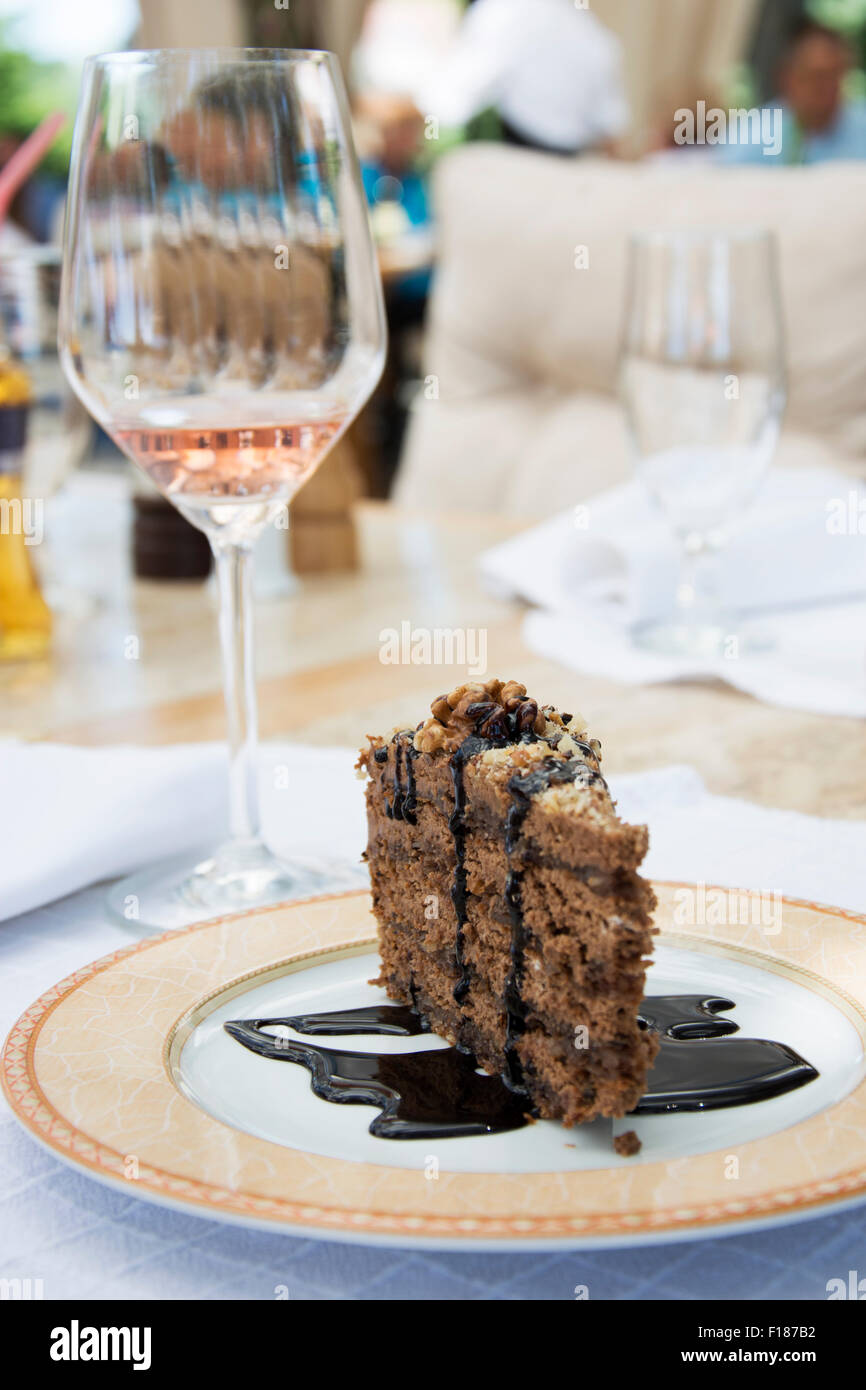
511	914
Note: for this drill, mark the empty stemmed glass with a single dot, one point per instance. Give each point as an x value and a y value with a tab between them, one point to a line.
222	319
703	384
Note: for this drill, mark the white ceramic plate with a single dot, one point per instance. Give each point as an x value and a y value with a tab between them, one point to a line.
126	1070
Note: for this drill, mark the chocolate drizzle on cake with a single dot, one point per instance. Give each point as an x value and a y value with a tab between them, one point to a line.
497	725
396	809
515	1011
403	804
457	826
522	790
410	804
479	724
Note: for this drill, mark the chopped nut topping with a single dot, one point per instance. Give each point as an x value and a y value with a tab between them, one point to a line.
432	737
497	710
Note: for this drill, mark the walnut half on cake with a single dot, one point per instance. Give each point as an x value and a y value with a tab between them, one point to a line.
511	914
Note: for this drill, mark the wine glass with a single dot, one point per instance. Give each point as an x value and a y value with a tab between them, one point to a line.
222	318
702	379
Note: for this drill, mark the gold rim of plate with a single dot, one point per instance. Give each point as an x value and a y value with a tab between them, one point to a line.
118	1112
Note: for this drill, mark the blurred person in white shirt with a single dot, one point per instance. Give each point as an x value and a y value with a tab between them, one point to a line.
549	68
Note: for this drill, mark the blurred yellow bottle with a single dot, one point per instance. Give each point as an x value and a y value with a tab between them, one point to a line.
25	618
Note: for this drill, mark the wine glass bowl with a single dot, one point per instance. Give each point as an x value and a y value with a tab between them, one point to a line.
703	386
222	319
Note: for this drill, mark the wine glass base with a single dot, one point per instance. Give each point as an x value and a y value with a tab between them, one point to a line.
720	639
221	880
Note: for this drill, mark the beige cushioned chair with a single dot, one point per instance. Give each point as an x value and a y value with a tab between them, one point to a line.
521	416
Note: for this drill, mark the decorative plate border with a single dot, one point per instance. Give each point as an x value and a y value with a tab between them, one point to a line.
176	1153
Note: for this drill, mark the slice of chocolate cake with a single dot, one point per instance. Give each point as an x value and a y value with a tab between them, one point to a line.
510	911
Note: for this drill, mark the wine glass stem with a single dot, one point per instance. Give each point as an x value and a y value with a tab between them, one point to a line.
234	578
698	601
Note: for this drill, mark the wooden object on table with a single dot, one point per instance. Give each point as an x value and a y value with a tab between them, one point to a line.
165	546
322	535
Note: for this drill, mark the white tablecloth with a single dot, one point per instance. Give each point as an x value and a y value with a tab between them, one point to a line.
85	1241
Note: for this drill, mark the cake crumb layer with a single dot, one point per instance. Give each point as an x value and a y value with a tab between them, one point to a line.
510	909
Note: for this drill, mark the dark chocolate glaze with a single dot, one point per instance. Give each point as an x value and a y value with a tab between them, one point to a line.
523	789
403	804
410	803
515	1009
440	1094
421	1095
700	1066
394	1020
457	825
394	809
500	728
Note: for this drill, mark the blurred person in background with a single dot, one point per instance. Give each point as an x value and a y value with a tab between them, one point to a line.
662	146
818	123
395	183
550	69
393	180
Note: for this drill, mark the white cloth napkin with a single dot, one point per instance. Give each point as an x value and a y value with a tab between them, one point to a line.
701	838
794	571
797	543
74	816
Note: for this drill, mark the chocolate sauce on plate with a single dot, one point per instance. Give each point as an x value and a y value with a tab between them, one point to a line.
700	1066
421	1095
440	1094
